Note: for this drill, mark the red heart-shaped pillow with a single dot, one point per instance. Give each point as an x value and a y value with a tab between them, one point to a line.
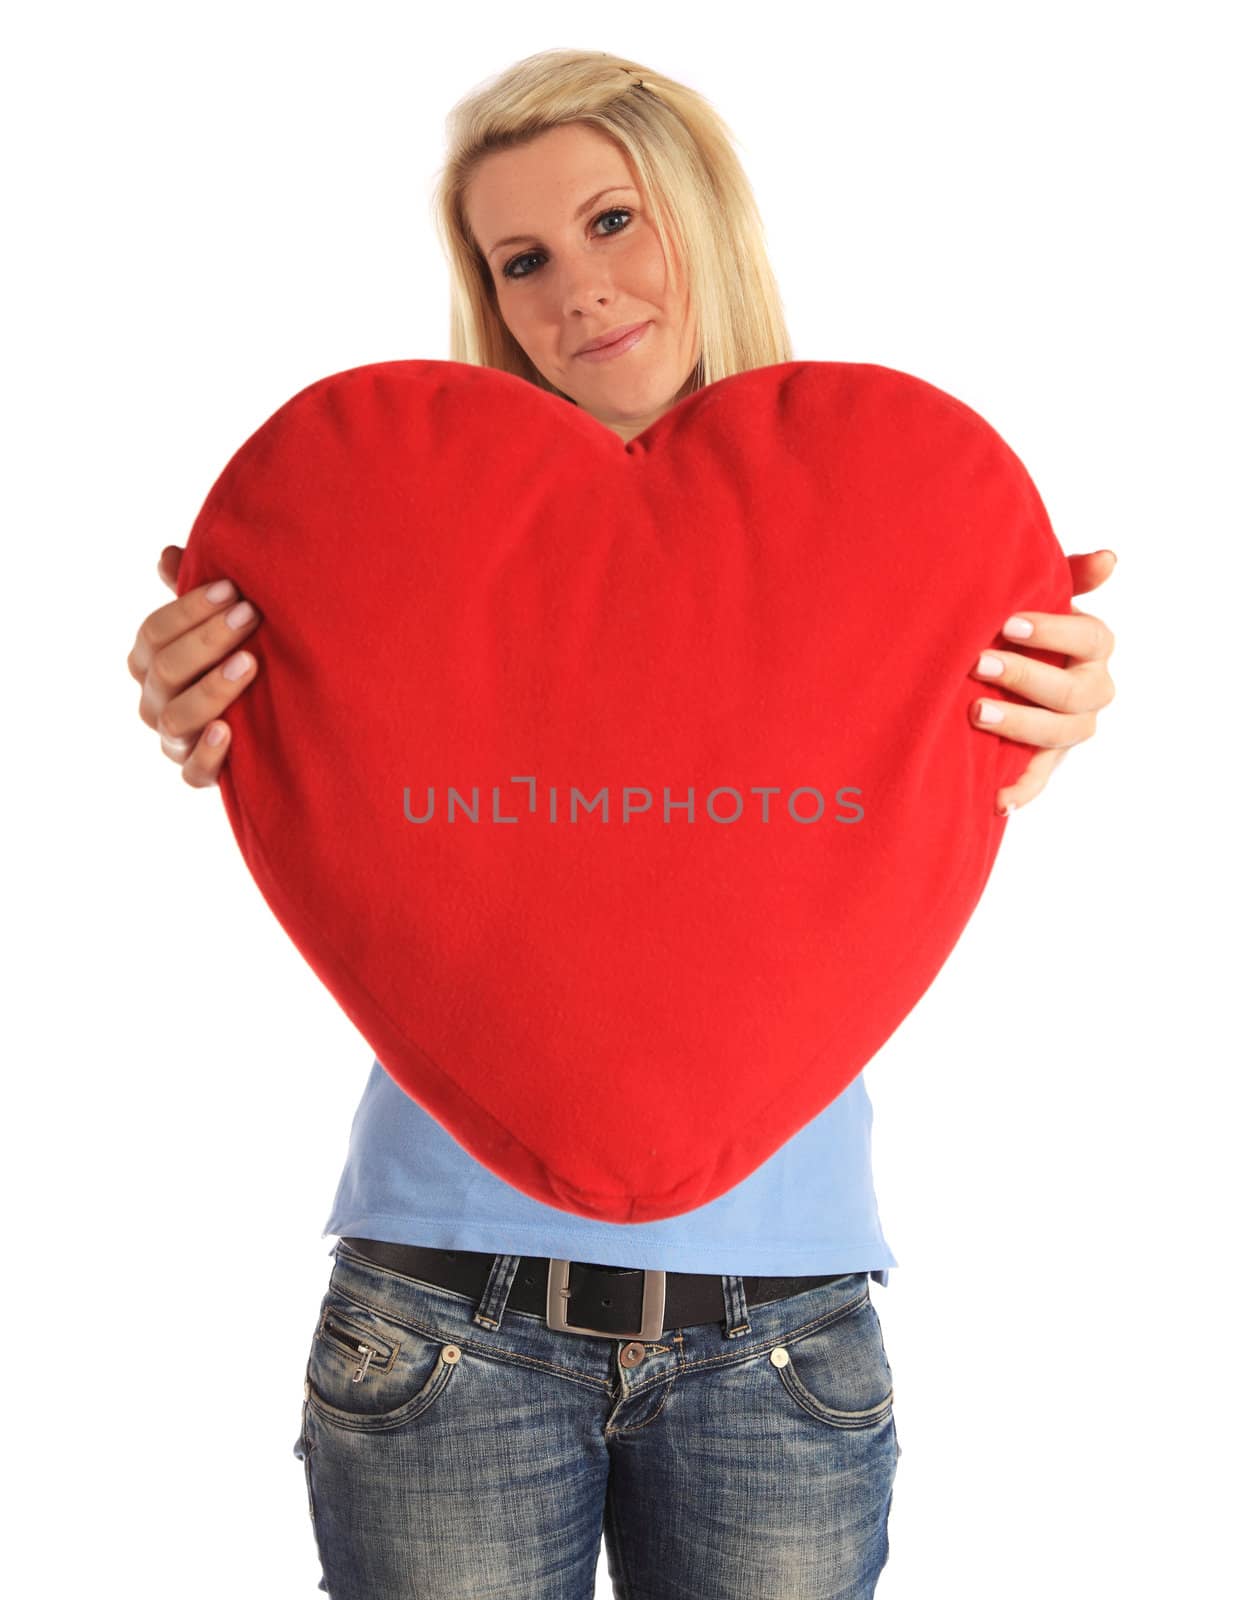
623	795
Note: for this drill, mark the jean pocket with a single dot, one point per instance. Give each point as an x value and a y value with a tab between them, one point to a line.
838	1372
370	1371
302	1450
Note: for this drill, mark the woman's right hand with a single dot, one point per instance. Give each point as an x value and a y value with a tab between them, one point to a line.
175	650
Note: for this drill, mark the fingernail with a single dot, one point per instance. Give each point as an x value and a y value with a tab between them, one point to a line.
216	735
1017	627
238	616
989	666
237	667
217	593
990	712
1112	554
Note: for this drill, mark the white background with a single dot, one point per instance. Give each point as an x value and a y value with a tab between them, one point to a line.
1042	209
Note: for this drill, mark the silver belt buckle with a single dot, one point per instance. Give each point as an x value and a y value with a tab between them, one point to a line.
651	1313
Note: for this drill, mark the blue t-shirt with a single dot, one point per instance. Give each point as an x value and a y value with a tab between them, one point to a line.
809	1209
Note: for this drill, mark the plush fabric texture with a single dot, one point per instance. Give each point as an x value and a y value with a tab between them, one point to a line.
623	795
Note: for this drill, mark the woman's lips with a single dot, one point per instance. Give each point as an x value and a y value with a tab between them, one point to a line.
607	352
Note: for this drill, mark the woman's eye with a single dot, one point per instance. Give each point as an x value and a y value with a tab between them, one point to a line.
617	211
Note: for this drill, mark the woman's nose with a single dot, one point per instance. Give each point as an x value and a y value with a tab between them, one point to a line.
583	286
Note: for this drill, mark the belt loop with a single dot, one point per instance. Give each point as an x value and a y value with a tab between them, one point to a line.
494	1297
735	1321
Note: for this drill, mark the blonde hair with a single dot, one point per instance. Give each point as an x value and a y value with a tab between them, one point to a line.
693	186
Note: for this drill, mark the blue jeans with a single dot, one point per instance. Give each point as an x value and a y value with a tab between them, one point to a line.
726	1462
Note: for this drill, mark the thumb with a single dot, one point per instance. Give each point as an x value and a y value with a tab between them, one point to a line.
1089	571
168	565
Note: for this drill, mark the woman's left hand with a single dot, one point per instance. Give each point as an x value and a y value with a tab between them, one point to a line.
1073	695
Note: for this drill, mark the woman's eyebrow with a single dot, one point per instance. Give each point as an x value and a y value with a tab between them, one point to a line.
525	238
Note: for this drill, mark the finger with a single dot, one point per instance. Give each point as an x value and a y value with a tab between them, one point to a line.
185	716
1031	781
1047	730
188	660
1091	571
1084	687
201	769
168	566
175	618
1075	633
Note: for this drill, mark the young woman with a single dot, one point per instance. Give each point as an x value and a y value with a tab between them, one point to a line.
462	1432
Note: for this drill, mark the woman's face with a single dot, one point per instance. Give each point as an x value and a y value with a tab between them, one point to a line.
571	263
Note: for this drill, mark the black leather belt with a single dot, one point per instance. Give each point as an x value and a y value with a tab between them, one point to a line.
584	1296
